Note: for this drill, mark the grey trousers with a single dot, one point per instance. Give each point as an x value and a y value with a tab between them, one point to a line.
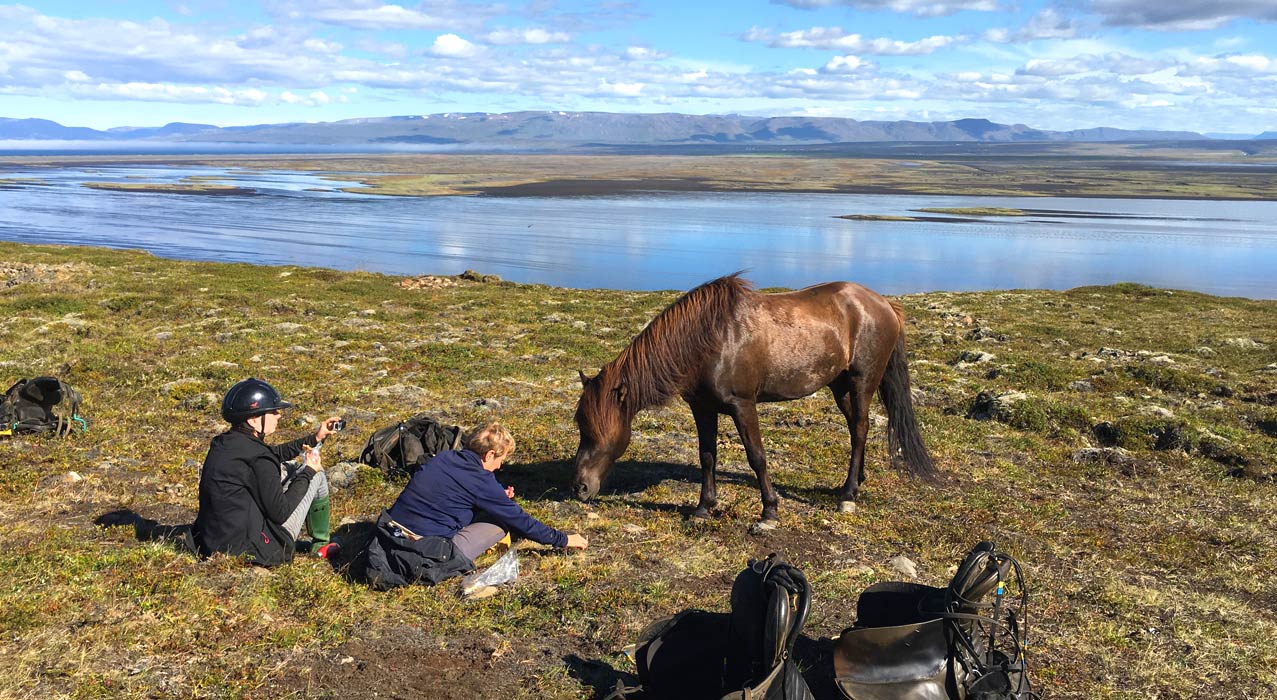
475	539
318	489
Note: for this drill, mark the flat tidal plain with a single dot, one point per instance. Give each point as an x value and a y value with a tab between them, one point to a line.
1209	170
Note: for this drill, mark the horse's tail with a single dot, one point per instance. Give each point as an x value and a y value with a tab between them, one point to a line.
903	437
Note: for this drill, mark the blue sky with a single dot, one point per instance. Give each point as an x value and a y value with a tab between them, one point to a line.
1199	65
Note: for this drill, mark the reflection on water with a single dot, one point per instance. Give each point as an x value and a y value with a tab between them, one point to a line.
659	241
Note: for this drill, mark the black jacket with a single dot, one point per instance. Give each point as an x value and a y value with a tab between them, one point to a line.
390	560
242	503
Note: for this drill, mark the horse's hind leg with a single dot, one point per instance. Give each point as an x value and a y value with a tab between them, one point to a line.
707	445
745	415
853	401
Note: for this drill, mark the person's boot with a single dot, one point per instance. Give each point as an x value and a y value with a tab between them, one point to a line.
318	521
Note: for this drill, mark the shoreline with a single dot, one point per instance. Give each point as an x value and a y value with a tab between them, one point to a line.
428	279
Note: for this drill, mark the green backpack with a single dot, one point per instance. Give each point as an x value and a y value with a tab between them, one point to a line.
40	405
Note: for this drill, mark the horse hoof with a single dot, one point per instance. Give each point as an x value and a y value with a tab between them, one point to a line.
763	526
699	514
847	507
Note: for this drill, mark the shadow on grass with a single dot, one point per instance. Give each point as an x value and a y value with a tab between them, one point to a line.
148	530
551	480
815	658
598	675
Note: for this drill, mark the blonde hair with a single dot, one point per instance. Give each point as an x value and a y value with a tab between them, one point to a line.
490	436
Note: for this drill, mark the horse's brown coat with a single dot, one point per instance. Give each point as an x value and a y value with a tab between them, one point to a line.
724	348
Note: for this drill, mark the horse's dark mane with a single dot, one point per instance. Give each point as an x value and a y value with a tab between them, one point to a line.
658	362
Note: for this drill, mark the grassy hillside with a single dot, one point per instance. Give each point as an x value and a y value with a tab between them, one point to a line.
1152	567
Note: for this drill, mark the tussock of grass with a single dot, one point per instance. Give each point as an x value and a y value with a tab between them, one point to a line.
1151	575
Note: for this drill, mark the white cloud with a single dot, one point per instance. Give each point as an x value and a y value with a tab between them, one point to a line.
1117	64
1046	24
919	8
620	89
1181	15
380	17
642	53
533	36
452	46
321	46
160	92
844	64
835	39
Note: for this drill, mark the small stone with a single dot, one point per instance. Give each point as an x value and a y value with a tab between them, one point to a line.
480	593
72	477
633	529
342	475
1156	412
904	565
222	364
975	357
487	404
592	515
763	526
164	335
1083	385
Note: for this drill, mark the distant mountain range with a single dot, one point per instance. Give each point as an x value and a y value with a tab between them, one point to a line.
567	130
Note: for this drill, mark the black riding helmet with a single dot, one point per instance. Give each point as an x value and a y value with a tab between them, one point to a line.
251	397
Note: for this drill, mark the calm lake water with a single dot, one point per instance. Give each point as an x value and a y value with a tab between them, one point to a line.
660	240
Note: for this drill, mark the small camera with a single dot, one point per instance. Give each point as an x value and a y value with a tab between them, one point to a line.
339	425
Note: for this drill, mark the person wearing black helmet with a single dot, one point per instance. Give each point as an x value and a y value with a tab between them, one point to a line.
249	503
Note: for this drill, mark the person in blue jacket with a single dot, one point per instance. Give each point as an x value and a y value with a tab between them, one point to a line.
456	495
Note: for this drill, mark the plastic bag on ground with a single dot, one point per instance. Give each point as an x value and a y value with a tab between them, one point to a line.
504	570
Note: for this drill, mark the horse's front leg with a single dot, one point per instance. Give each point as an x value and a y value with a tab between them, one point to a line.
745	415
707	445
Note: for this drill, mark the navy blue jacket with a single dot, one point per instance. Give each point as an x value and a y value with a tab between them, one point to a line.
445	493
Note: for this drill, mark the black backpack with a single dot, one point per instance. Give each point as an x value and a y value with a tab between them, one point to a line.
400	449
28	408
699	655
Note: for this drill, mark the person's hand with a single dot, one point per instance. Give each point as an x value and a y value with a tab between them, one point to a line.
576	541
326	428
509	492
311	458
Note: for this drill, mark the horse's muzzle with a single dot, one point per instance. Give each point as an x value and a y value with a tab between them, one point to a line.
583	491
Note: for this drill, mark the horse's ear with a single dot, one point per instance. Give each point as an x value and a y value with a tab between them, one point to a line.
584	378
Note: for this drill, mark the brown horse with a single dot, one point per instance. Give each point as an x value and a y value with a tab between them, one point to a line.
724	348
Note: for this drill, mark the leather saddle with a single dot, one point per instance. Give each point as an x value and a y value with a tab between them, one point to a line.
917	642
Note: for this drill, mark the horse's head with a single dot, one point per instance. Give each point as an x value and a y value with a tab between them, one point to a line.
604	422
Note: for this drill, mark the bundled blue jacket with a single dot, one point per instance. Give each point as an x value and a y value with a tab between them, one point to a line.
444	495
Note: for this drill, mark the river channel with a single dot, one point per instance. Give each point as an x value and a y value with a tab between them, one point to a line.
657	240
